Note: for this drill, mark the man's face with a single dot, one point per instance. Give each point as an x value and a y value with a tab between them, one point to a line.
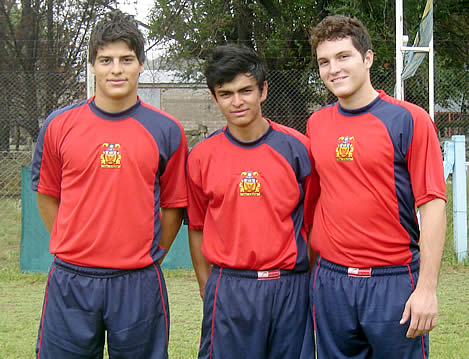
117	70
342	68
240	101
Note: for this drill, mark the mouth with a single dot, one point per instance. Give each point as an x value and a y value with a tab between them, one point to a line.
239	112
117	81
338	79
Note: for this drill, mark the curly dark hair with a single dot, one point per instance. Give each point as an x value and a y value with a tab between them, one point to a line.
225	62
337	27
117	26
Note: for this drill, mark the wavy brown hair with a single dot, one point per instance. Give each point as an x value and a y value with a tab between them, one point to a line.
338	27
117	26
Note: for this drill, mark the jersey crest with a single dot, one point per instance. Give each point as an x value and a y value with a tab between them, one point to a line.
344	150
111	157
249	184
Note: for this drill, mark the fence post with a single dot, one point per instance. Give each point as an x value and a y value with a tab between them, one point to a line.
448	161
460	197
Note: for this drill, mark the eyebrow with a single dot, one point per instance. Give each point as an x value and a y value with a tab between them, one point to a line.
220	90
335	55
120	57
343	52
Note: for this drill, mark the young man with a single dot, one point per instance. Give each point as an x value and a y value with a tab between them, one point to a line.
102	169
373	287
247	241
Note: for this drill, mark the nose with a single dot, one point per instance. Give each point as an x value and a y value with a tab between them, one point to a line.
116	67
334	66
237	100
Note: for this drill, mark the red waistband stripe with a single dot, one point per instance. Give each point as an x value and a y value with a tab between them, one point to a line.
359	272
268	274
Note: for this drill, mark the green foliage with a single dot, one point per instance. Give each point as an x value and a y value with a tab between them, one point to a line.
42	58
280	29
379	18
453	88
276	29
452	33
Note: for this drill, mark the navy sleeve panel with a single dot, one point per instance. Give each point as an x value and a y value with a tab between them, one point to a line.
296	154
399	123
165	131
37	156
216	132
293	150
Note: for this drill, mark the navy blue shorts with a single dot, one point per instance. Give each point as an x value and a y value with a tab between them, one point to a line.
82	304
254	315
356	312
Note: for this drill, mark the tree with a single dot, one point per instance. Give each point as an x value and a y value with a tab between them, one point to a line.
279	29
43	59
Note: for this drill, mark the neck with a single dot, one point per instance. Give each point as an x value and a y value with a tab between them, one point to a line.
114	105
359	99
250	133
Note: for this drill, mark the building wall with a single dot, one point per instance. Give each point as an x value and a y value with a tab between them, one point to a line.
192	105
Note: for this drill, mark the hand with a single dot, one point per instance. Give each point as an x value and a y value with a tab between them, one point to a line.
202	292
422	309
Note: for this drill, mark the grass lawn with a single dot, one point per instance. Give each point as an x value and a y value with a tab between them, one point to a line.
21	298
450	339
20	311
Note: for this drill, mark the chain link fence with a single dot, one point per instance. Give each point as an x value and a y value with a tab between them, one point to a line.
27	98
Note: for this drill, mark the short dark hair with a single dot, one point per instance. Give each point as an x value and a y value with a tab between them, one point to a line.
338	27
116	26
225	62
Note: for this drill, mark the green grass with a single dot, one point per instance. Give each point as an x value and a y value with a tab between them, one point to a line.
21	302
449	340
21	297
449	255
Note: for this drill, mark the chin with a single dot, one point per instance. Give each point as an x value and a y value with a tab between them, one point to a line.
118	95
340	93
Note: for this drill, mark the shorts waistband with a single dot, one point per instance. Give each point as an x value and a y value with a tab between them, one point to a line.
94	271
254	274
370	271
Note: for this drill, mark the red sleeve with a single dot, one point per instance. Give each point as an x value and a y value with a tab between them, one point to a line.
312	190
197	201
173	181
425	160
47	164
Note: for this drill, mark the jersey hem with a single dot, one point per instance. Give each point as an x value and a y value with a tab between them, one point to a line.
47	192
196	228
178	204
430	197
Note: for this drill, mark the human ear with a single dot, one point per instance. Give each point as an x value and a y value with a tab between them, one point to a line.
368	59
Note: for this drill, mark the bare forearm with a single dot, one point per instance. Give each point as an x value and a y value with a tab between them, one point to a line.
432	239
171	219
422	305
202	267
48	207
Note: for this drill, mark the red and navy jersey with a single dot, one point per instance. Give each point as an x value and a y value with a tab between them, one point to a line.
375	165
247	198
112	172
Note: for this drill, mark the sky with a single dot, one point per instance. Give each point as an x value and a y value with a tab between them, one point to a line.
141	9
